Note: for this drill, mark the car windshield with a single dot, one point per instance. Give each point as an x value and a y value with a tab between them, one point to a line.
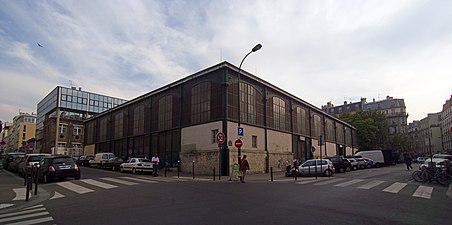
35	158
63	160
144	160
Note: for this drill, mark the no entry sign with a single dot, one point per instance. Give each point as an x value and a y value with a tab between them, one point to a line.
238	143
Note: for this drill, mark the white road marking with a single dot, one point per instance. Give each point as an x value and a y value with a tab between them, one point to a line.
20	194
348	183
307	181
139	180
35	221
98	183
2	221
330	181
371	184
395	188
21	212
160	179
119	181
423	192
57	195
75	187
2	206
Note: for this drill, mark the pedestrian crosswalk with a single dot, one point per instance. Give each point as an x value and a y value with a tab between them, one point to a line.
422	191
31	215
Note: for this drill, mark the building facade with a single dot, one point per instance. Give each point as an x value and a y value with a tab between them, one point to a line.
446	126
17	135
60	115
6	145
180	122
430	134
394	109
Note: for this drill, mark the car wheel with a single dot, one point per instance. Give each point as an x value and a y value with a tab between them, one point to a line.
355	167
377	165
121	169
134	170
348	169
362	167
328	173
341	170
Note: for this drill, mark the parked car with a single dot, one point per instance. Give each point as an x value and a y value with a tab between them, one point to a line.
30	160
362	164
442	156
317	166
353	162
439	163
421	159
84	160
10	157
340	164
58	167
135	165
14	165
114	163
101	158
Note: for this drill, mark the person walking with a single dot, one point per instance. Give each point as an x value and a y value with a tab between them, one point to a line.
408	162
244	166
155	165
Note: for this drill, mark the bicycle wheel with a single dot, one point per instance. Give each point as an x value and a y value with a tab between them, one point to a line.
417	176
443	179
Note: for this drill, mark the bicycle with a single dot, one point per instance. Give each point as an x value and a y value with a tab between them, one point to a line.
430	174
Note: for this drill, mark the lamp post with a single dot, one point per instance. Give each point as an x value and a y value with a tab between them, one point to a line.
256	48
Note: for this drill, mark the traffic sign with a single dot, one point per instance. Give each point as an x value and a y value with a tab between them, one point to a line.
240	131
220	138
238	143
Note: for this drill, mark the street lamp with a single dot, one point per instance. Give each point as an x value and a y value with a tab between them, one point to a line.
256	48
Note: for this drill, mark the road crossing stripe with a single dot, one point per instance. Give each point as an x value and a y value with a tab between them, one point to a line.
157	179
348	183
119	181
307	181
423	192
21	212
371	184
35	206
2	206
57	195
35	221
75	187
98	183
395	188
2	221
330	181
20	194
139	180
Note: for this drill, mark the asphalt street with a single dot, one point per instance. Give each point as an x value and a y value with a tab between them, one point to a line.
371	196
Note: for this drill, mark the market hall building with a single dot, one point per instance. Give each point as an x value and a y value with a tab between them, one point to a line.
180	122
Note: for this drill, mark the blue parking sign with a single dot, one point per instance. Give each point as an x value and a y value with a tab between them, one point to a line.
240	131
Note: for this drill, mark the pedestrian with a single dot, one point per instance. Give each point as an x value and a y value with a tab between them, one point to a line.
408	162
155	165
244	166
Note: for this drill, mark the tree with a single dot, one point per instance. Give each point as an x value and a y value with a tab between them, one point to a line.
372	128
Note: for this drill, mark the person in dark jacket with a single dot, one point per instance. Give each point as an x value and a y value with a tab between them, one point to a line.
408	161
244	166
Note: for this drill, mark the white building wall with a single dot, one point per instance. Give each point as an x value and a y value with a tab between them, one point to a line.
199	138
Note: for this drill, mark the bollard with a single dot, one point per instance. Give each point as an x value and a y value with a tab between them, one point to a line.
27	189
31	177
214	173
165	169
178	168
36	180
193	170
25	176
271	174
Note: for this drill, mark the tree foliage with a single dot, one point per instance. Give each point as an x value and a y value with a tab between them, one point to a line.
372	128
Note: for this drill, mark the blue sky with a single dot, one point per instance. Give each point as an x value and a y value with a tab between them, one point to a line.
319	51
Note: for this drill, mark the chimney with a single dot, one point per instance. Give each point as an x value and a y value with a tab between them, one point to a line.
345	102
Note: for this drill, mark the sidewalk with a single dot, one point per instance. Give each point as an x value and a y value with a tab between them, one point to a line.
249	177
9	200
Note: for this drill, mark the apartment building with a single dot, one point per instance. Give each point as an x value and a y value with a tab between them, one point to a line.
446	126
16	135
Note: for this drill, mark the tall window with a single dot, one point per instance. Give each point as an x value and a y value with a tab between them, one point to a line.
248	112
103	129
279	113
317	126
119	125
166	112
138	120
78	130
62	128
302	121
254	141
214	136
200	103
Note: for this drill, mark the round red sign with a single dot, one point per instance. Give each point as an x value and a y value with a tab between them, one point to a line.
220	138
238	143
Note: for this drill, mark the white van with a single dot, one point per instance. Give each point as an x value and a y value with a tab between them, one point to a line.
101	158
374	155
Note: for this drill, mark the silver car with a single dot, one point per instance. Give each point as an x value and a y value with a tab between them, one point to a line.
317	166
135	165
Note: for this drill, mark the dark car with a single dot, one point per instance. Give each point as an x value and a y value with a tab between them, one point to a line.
340	164
10	157
14	165
58	167
113	163
84	160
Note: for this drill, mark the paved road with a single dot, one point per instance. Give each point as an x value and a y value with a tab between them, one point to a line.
375	196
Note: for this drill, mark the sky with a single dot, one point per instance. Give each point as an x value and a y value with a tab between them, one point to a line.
319	51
